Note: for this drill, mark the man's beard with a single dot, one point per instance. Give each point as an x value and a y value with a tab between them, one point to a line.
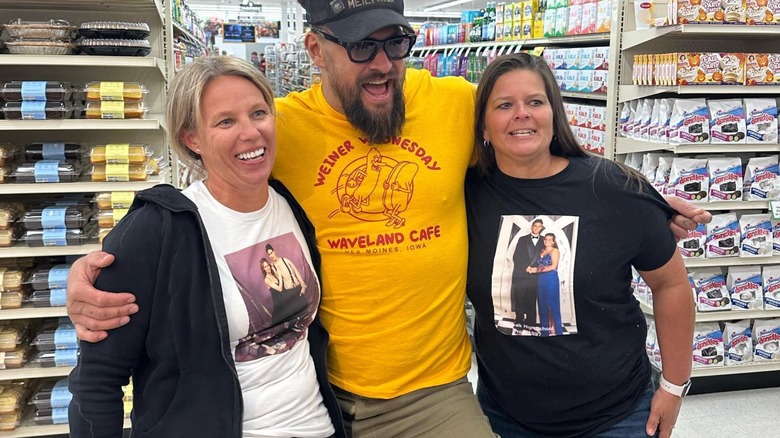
377	127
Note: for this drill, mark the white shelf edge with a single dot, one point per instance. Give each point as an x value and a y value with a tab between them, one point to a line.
731	261
84	61
80	187
724	315
150	123
625	145
638	37
33	313
30	430
734	205
753	367
585	38
33	372
581	95
632	92
47	251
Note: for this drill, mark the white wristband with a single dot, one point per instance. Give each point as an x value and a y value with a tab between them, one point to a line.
671	388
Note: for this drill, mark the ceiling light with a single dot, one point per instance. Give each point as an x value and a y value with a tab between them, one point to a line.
445	5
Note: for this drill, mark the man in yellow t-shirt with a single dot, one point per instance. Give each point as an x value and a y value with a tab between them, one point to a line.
377	156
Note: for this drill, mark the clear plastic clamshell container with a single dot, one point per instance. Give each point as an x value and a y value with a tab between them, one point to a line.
47	417
113	200
51	277
11	420
52	395
48	298
56	237
12	396
110	47
11	336
115	110
108	90
9	236
10	279
11	300
46	171
52	337
37	110
56	358
17	91
13	359
56	216
8	153
122	172
60	151
132	153
102	233
9	213
114	30
26	46
50	29
109	218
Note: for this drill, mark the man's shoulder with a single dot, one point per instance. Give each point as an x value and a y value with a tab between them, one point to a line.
421	78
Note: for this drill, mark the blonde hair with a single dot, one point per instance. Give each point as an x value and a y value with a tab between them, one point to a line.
183	111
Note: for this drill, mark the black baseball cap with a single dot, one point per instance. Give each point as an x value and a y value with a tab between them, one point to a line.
354	20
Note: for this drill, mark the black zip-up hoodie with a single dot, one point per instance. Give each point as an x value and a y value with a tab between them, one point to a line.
177	346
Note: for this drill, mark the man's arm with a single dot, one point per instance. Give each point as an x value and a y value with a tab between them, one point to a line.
688	217
93	311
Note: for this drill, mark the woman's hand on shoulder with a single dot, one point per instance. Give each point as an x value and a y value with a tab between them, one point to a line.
688	218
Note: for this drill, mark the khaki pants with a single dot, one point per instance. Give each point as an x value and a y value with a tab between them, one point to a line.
446	411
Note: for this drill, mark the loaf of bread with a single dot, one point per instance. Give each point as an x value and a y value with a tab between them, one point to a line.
120	172
126	110
120	153
11	300
131	91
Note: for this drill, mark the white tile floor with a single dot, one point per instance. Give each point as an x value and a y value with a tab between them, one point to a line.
733	414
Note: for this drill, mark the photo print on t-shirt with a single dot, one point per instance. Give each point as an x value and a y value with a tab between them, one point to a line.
281	294
533	273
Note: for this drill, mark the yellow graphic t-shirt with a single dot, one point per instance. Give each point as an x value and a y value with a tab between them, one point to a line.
391	229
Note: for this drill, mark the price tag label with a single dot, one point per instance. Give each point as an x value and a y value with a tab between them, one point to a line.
117	172
112	110
122	199
112	91
118	153
774	206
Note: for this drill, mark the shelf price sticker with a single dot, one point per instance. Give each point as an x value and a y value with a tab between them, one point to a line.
112	110
112	91
117	172
119	213
122	199
47	171
34	90
118	153
774	207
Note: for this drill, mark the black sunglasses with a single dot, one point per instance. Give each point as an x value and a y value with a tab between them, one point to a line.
396	47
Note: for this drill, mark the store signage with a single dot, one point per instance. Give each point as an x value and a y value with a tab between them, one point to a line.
774	206
251	7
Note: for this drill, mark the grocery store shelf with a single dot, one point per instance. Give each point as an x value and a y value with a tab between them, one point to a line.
48	251
638	37
189	35
85	5
628	145
724	315
570	40
84	61
33	313
150	123
731	261
631	92
79	187
34	372
578	95
750	367
733	205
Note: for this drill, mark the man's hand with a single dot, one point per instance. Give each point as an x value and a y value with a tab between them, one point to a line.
689	216
664	410
93	311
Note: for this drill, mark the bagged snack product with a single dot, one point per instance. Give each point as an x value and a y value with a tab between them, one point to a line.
771	277
746	287
634	161
707	345
711	291
625	117
727	121
689	122
641	131
761	120
762	179
664	118
689	179
756	235
651	345
723	236
692	246
650	164
738	342
652	132
725	178
662	175
766	339
775	237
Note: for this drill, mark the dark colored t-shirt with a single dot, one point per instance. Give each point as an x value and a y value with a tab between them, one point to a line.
590	368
